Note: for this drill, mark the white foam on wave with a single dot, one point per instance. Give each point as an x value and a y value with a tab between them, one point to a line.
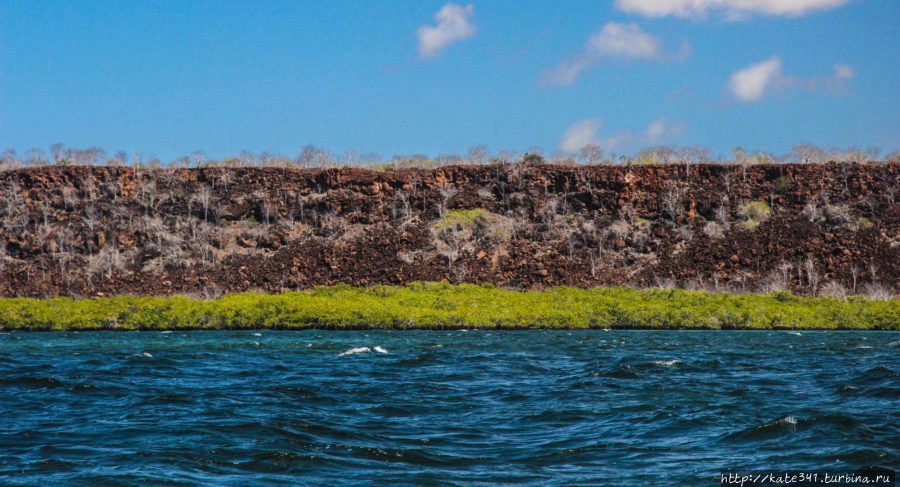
257	334
145	354
380	350
356	350
795	333
667	363
894	344
167	331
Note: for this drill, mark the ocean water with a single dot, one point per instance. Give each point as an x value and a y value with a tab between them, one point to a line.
442	407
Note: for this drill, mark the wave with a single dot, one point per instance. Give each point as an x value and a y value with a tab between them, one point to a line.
791	424
667	363
354	351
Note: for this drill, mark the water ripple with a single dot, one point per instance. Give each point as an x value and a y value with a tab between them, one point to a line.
449	407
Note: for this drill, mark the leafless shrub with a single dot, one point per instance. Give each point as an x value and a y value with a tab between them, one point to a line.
447	194
834	289
694	284
620	229
12	199
628	213
686	232
448	245
203	196
837	214
147	196
154	266
104	263
485	193
460	272
671	201
548	211
665	283
811	210
714	230
169	177
68	197
812	276
875	291
410	256
209	292
333	224
854	272
890	191
65	241
595	259
269	210
775	281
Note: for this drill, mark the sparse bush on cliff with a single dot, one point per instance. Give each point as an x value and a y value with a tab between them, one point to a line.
837	214
754	212
782	184
714	230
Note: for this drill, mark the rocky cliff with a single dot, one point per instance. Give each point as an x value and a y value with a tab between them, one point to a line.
85	231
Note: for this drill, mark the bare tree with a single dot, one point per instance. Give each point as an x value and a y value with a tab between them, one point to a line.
57	151
447	194
671	201
591	154
35	157
807	153
203	197
198	158
812	276
478	154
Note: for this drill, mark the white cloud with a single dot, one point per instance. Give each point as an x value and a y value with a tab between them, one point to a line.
621	40
452	25
584	132
751	82
844	71
580	134
613	41
733	9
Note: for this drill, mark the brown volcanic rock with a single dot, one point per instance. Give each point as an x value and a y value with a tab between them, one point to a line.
88	230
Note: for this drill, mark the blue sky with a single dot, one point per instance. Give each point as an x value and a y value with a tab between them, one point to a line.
170	78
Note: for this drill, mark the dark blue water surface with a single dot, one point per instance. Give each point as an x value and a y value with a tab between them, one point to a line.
442	408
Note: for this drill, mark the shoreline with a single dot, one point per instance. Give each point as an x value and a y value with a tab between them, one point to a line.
441	306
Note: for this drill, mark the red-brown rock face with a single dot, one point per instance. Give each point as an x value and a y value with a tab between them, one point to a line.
808	228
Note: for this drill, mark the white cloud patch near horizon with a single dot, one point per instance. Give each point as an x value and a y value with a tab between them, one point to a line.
752	83
613	41
844	71
733	9
585	132
452	25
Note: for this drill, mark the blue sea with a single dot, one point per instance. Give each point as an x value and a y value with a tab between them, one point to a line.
442	407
